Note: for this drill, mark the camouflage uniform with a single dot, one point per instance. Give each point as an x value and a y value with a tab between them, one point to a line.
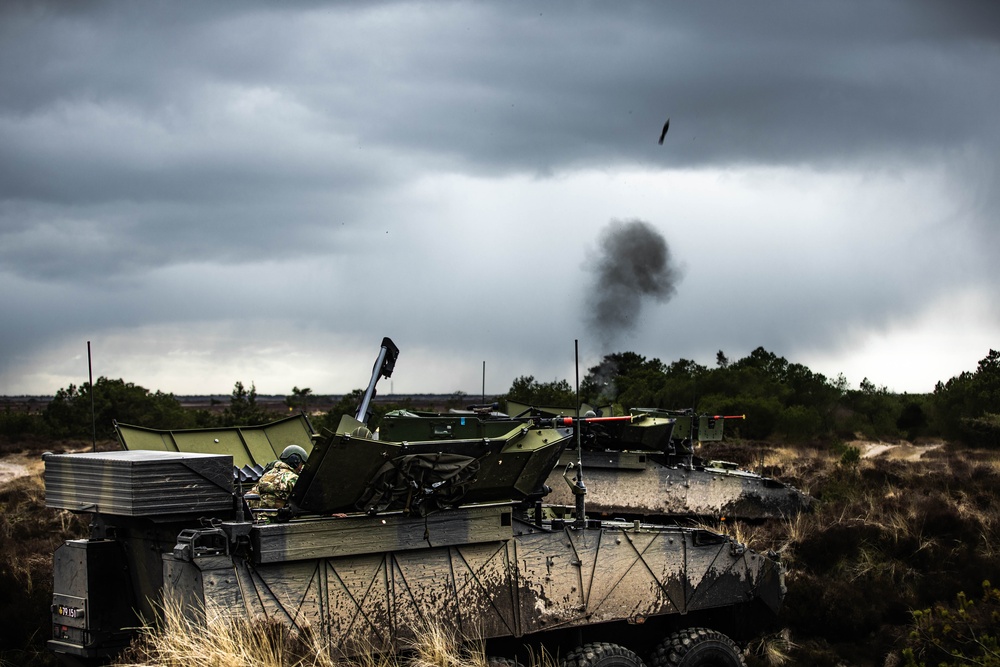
275	486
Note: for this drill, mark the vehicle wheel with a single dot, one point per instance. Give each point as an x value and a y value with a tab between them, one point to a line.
697	647
601	654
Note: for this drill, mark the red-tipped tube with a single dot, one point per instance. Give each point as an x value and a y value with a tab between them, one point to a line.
568	421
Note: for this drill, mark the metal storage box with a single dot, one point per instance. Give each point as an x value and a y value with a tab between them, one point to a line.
139	483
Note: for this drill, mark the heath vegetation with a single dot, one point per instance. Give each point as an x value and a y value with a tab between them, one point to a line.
892	568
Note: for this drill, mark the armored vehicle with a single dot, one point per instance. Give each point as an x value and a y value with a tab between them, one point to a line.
645	466
383	538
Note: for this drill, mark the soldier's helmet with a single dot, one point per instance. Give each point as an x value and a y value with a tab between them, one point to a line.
294	456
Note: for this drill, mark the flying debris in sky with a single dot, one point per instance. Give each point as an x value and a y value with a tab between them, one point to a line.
666	126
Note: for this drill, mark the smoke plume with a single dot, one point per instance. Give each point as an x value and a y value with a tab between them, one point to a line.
633	265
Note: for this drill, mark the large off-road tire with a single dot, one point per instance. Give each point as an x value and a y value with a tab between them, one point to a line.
697	647
601	654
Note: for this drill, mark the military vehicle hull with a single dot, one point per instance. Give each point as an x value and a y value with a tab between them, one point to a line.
646	468
380	539
645	484
486	576
371	582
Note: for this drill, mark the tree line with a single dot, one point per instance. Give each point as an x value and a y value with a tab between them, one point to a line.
781	400
785	400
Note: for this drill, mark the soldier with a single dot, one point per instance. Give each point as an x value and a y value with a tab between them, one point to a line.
275	485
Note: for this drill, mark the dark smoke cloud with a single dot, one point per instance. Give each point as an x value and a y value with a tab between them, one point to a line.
634	266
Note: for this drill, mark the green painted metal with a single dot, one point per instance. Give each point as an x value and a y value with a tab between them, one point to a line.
248	445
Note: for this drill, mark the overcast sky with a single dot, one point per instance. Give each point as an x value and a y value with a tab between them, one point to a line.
213	192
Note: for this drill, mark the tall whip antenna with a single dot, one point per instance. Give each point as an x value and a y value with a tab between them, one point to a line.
580	491
93	414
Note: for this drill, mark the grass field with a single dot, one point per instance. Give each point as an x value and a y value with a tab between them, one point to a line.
909	529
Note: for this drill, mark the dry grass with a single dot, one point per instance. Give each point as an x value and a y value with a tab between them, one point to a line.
795	465
794	530
750	535
773	650
437	646
261	642
222	642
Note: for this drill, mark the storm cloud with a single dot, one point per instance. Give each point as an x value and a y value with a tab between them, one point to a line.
261	191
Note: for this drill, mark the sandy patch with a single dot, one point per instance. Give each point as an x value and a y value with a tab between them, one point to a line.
11	471
904	451
19	465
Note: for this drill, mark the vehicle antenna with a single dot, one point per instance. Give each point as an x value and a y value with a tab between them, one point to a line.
484	382
581	490
93	414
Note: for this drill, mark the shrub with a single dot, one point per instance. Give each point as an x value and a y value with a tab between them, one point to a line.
18	423
72	413
981	431
966	632
799	422
850	457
